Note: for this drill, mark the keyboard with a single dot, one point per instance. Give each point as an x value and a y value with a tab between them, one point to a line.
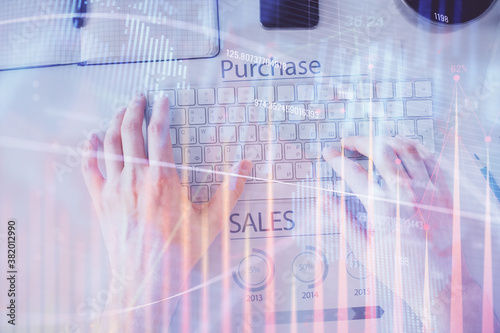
213	128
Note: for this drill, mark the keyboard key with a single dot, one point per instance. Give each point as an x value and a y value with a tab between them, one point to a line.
419	108
173	136
185	97
423	88
284	171
197	116
256	114
364	128
347	128
394	109
323	170
232	153
246	95
356	110
406	127
213	154
293	151
425	128
404	90
264	171
384	90
318	109
221	172
199	193
227	134
345	91
286	93
192	155
326	92
305	92
336	110
386	128
307	131
206	96
185	175
217	115
187	135
177	152
376	108
266	93
287	132
155	94
276	115
236	114
303	170
295	112
290	190
225	95
177	117
267	133
204	174
273	152
312	150
336	145
253	152
208	134
248	133
364	91
326	130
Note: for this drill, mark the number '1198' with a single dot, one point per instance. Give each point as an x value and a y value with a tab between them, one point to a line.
441	17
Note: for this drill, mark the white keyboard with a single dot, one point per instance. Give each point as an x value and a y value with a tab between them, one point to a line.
213	128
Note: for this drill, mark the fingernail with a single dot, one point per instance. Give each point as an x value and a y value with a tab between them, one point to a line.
160	97
91	137
89	145
234	178
246	169
329	151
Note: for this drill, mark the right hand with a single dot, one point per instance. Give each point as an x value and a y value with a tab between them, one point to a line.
415	191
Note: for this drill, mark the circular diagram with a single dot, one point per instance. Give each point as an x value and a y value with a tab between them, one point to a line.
310	267
355	268
255	272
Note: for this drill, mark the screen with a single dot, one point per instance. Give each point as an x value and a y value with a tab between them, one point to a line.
450	11
289	13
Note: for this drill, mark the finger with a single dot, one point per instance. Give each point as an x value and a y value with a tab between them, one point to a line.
131	131
159	142
406	150
384	156
231	189
351	172
113	153
90	169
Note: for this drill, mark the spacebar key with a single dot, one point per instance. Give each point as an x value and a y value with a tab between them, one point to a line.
267	191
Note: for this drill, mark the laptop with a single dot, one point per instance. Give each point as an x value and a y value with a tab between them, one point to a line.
279	105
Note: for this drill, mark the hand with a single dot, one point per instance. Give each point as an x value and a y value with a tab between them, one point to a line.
410	239
413	185
150	227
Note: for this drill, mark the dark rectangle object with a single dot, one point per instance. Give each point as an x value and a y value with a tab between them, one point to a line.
289	14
